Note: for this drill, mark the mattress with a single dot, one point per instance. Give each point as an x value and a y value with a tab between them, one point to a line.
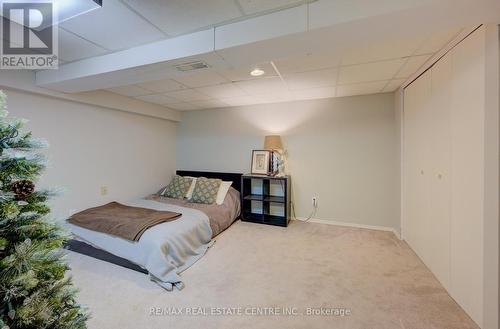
164	250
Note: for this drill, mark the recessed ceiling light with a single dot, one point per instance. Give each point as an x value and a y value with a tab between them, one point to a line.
257	72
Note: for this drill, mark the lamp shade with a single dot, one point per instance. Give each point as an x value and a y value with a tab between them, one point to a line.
273	142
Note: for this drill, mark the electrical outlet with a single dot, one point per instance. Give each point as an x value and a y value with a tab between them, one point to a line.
104	190
315	201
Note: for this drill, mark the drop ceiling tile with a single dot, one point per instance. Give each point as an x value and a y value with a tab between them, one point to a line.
162	86
188	95
412	65
262	86
176	17
314	93
201	79
311	79
72	47
369	72
384	51
114	26
210	104
130	91
158	99
226	90
183	106
274	97
365	88
307	63
437	41
241	101
393	85
258	6
243	73
327	12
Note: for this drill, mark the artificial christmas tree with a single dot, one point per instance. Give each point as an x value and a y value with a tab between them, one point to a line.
35	291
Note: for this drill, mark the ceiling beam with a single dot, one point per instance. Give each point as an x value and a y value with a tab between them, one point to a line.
23	81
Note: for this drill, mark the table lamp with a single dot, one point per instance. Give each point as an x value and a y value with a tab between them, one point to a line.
273	143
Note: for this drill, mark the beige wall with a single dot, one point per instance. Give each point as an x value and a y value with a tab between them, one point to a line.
90	147
343	150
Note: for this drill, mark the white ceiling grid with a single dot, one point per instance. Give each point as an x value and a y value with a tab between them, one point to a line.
124	24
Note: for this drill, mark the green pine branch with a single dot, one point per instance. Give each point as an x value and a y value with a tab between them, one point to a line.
35	290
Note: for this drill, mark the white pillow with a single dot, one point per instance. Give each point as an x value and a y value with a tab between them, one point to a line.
189	193
221	194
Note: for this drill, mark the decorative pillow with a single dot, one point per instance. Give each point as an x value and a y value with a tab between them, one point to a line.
221	194
189	193
206	190
178	187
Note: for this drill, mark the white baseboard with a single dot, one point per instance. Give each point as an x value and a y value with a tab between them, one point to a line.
347	224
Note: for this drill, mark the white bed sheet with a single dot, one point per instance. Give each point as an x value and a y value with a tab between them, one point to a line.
165	250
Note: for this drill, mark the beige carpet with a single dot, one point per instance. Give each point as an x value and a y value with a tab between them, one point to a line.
257	268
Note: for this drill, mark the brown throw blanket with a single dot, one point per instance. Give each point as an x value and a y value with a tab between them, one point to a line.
120	220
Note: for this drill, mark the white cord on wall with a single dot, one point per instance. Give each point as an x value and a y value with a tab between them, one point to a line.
294	215
313	213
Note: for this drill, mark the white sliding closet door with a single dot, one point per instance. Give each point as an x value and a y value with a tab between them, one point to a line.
467	130
443	175
427	169
417	104
439	178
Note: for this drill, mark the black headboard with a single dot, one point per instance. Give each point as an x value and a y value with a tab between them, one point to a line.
235	178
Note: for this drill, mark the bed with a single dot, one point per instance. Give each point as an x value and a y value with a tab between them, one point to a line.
165	250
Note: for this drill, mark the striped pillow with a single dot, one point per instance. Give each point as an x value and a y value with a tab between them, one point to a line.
178	187
206	190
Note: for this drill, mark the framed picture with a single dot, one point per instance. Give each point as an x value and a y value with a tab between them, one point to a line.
261	160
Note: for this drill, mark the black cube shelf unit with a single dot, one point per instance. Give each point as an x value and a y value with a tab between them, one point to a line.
269	195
